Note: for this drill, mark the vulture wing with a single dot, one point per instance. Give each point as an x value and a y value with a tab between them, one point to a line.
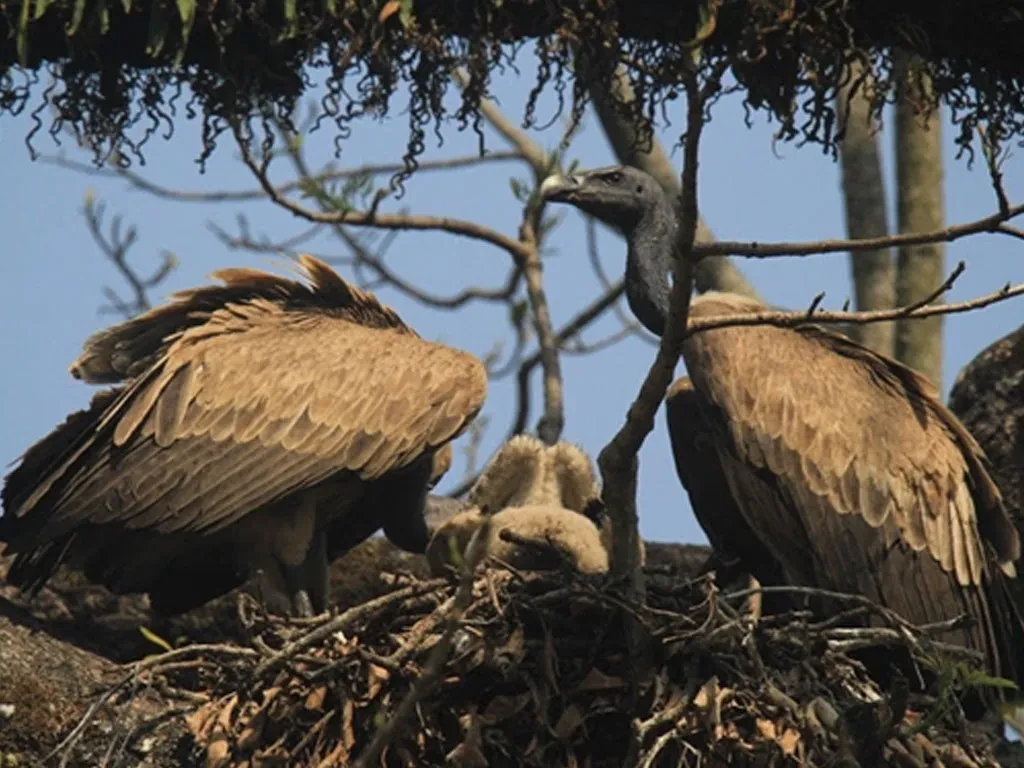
851	471
703	476
269	389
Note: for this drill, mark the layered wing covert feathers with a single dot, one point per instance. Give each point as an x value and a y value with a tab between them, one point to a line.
236	396
805	403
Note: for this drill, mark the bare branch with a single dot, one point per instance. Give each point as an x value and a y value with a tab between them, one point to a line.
993	223
246	195
791	319
115	247
475	553
371	218
618	460
550	426
531	233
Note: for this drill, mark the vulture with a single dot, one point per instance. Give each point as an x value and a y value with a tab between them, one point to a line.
256	427
842	469
540	493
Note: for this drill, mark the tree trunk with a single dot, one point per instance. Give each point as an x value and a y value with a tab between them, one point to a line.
873	272
920	208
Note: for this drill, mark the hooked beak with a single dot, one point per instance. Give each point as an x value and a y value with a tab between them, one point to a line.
561	189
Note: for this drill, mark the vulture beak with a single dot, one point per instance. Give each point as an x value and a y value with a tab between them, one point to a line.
561	189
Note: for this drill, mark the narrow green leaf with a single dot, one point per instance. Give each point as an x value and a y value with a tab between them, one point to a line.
517	314
22	42
157	29
405	14
154	638
76	18
291	18
41	6
187	14
104	16
127	5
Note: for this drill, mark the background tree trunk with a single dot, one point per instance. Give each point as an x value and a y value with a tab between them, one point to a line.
920	207
873	272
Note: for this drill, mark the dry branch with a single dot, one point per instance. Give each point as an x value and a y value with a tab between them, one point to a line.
996	223
791	319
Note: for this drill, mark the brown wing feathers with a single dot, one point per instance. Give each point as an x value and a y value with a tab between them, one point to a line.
220	412
853	473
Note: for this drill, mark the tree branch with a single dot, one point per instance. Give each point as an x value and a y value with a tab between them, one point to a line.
994	223
531	233
115	248
247	195
371	218
618	460
792	319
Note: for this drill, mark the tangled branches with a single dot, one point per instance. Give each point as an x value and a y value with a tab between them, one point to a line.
523	686
120	70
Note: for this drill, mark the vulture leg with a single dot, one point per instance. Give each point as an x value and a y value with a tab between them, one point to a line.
401	499
307	583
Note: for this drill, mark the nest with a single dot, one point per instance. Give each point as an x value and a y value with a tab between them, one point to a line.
514	669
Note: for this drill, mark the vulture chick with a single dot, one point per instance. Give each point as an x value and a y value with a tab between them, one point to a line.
256	426
539	494
843	463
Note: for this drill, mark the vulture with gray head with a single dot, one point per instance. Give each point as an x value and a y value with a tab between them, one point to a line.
259	426
842	464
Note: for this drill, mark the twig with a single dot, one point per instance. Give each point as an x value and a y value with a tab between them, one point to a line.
185	196
792	319
115	248
531	233
476	551
67	744
343	621
946	235
371	218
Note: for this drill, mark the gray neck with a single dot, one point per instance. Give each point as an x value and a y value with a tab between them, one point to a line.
648	266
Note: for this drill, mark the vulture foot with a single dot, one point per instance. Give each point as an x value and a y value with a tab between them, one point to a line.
299	591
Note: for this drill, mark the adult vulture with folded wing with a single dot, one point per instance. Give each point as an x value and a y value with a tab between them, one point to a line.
842	463
256	426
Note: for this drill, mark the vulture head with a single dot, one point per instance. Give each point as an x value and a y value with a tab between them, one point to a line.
633	202
618	195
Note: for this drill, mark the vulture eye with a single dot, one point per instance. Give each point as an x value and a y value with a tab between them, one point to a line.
614	177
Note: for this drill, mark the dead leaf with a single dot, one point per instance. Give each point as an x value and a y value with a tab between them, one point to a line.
789	740
707	694
315	699
390	8
377	677
502	708
348	730
571	719
596	680
551	661
468	754
766	728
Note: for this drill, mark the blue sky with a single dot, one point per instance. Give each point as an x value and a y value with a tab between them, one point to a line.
52	275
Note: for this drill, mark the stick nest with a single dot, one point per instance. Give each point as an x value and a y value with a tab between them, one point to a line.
539	675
